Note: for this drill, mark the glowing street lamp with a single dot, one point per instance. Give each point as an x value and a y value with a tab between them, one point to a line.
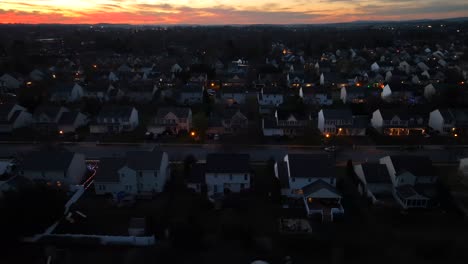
61	132
192	133
327	135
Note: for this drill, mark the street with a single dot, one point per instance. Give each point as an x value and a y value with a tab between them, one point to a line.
257	153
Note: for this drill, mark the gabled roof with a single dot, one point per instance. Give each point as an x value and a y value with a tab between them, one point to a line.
49	110
108	169
180	112
115	111
311	166
68	118
376	173
341	114
407	191
144	160
47	160
416	165
318	185
227	163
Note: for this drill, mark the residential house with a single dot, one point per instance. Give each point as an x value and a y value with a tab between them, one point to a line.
285	123
47	117
449	121
375	182
341	122
234	121
399	122
270	96
13	116
137	173
353	94
227	172
56	168
311	178
115	119
318	95
191	94
413	179
67	93
171	120
234	95
142	91
70	121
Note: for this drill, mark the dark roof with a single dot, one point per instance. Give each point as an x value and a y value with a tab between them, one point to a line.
197	173
5	109
417	165
144	160
49	110
115	111
285	114
283	174
47	160
342	114
227	163
180	112
316	186
311	166
376	173
406	191
68	118
108	168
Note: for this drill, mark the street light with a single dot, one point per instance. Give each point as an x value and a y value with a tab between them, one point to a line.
192	133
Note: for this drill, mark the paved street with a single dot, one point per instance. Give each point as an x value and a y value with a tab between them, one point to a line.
258	153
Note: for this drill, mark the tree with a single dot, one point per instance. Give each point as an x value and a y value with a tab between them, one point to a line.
200	124
30	210
188	163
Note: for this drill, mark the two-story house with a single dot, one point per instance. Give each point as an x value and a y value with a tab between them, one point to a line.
413	179
234	95
227	172
70	121
310	178
234	121
270	96
449	121
285	123
318	95
374	182
137	173
71	92
46	118
398	122
191	94
13	116
115	119
56	168
334	121
171	120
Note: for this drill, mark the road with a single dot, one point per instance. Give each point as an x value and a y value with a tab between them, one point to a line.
257	153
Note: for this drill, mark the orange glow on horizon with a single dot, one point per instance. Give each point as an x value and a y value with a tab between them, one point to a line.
214	12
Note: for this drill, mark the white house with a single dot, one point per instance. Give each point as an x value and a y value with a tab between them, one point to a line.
334	121
375	67
449	121
13	116
138	173
61	169
46	118
67	93
463	167
413	180
310	178
227	172
375	182
115	119
386	93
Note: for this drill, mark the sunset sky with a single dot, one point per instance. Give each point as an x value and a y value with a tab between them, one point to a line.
224	11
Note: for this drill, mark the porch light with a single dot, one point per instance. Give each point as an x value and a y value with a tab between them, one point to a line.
327	135
453	129
192	133
455	135
61	132
340	129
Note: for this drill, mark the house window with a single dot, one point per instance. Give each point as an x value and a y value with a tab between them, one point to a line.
128	187
140	173
242	186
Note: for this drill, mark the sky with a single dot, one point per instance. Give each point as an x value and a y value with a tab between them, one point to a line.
209	12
